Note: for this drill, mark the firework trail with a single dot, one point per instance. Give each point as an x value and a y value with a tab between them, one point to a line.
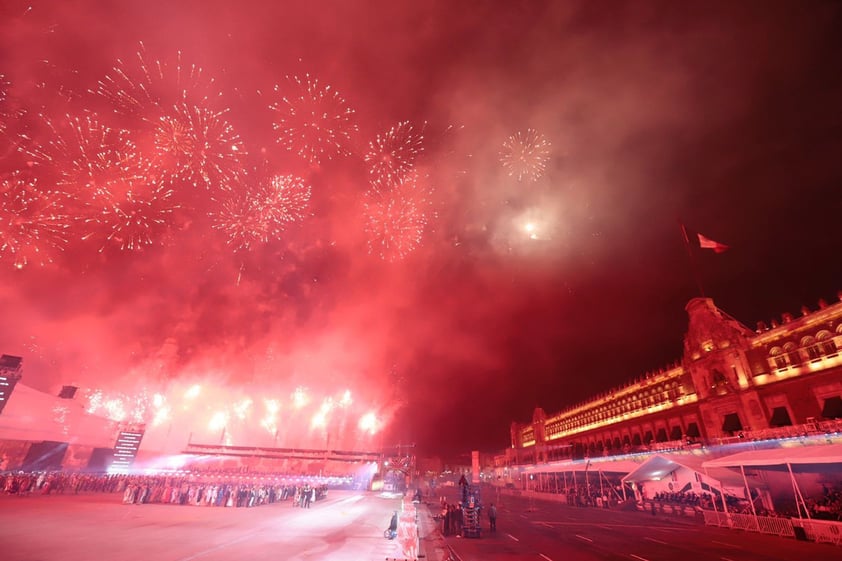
312	120
396	220
261	208
8	145
4	112
525	155
147	88
392	155
196	146
32	224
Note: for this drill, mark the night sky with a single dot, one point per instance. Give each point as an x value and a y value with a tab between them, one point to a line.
505	293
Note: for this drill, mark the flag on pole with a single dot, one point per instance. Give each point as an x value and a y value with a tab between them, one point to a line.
707	243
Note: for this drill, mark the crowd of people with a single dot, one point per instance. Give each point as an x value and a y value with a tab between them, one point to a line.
829	505
451	518
202	489
685	498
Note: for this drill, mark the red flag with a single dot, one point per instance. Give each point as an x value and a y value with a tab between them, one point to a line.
707	243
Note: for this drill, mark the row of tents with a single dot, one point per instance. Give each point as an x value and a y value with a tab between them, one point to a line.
774	471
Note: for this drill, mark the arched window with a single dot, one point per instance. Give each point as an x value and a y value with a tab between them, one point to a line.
827	346
792	354
809	345
777	355
719	383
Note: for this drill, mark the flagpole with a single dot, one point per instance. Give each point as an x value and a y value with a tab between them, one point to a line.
694	269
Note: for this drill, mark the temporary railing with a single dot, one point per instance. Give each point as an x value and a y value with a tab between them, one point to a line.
823	531
806	429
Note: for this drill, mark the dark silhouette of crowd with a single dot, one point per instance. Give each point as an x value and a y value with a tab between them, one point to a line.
225	489
451	518
684	498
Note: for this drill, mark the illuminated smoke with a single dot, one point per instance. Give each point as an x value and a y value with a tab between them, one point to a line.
214	414
525	155
312	120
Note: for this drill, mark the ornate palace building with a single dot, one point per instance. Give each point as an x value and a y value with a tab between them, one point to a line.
732	382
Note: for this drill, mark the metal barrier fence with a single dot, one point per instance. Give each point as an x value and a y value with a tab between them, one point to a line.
822	531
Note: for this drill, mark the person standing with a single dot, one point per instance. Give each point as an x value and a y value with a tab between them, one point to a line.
492	518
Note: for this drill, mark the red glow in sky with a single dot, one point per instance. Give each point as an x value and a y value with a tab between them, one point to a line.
538	280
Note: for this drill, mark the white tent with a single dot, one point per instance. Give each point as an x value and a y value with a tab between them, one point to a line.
789	456
33	415
659	466
615	466
816	454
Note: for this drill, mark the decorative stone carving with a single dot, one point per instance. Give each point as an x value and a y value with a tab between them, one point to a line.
710	330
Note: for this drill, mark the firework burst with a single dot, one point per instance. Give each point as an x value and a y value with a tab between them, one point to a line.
261	209
525	155
146	88
392	155
84	156
32	223
312	120
196	146
287	198
396	220
241	219
136	216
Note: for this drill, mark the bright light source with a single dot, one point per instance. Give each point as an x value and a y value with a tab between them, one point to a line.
193	391
319	420
218	421
369	423
241	408
299	397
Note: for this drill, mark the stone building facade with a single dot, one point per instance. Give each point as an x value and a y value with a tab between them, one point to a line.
732	382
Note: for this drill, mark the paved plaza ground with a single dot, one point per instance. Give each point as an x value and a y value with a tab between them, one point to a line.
347	525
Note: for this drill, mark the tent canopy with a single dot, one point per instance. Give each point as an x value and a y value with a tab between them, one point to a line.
818	454
660	466
617	466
